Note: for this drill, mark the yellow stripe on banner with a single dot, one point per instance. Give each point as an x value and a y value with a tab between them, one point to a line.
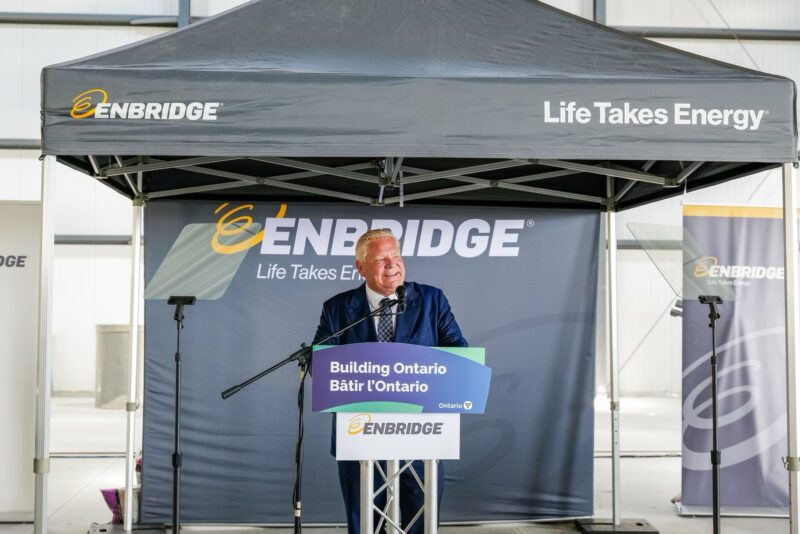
733	211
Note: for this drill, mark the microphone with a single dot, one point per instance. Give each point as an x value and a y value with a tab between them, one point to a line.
401	298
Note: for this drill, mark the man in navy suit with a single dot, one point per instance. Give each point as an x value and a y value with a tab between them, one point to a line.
427	321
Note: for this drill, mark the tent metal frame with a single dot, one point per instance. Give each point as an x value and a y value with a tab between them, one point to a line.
792	303
393	173
398	175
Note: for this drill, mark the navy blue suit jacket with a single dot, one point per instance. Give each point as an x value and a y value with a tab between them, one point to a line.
427	321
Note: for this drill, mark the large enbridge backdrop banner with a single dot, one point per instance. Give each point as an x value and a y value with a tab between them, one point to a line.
521	282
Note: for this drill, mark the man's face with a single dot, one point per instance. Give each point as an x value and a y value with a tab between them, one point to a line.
382	267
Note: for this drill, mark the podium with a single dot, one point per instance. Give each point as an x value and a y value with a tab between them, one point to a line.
393	402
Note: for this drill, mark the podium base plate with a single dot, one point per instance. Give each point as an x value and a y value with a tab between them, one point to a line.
627	526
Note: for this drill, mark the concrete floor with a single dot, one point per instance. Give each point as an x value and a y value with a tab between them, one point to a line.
648	426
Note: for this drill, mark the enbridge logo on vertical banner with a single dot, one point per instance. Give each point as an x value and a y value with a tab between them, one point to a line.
709	267
298	238
94	103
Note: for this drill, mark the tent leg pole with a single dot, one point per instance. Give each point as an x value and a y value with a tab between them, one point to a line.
792	336
612	348
41	462
133	364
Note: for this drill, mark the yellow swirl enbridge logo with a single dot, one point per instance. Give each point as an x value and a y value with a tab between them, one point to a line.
94	103
85	103
357	423
702	266
233	222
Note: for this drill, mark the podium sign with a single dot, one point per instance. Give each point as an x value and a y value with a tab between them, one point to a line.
398	436
399	378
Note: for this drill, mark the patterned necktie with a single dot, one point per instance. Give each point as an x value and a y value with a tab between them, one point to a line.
385	333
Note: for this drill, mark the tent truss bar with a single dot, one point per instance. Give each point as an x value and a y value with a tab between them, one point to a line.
437	193
398	165
349	171
605	171
274	183
320	169
227	185
503	184
624	191
688	171
241	178
176	164
196	189
459	174
550	192
389	177
717	170
128	179
480	183
627	187
540	176
95	166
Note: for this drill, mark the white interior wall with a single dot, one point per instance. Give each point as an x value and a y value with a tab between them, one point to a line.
91	283
87	208
29	48
782	58
772	14
91	287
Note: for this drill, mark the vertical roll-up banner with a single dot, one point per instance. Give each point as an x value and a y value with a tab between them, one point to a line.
737	252
19	290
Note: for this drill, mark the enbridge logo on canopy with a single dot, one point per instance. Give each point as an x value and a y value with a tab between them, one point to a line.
94	103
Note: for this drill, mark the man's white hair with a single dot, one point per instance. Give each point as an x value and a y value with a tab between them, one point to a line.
361	245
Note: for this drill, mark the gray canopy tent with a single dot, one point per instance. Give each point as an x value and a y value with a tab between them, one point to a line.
502	102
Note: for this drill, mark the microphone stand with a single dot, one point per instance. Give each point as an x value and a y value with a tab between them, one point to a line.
303	358
179	303
716	454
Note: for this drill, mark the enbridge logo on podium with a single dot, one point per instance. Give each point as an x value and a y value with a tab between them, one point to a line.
357	423
94	103
363	424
